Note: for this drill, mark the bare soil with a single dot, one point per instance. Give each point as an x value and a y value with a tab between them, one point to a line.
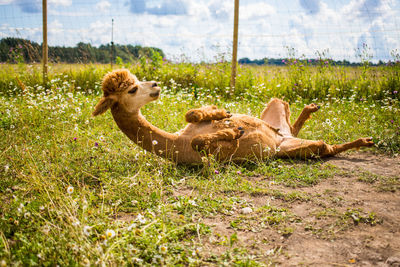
350	219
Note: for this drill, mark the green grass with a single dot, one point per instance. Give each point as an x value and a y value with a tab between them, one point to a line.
298	80
49	142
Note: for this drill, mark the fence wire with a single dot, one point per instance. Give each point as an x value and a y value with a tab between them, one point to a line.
202	30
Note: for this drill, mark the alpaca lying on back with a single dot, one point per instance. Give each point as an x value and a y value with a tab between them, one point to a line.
211	130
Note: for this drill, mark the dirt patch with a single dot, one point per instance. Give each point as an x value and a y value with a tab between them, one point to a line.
375	163
345	220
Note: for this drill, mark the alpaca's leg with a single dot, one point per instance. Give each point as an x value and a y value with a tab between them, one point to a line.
304	116
207	113
206	142
301	148
277	114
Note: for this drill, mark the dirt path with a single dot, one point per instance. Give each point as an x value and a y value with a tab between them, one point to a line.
350	219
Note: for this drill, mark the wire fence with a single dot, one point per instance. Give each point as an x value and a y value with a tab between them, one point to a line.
202	30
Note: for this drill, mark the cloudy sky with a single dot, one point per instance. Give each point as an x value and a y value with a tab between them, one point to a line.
202	29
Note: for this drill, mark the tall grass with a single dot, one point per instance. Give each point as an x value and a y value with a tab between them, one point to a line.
299	79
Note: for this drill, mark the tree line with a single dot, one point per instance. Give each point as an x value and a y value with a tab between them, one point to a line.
16	50
287	61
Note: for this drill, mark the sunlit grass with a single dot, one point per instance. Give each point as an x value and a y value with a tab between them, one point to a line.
75	191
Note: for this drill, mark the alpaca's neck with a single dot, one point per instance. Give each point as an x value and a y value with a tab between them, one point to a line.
144	134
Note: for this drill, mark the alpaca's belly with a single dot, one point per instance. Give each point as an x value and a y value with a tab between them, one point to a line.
193	129
258	141
257	144
247	123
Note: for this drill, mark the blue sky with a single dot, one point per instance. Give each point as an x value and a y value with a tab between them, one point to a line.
202	29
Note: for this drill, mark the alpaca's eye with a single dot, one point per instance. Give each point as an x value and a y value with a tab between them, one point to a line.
132	91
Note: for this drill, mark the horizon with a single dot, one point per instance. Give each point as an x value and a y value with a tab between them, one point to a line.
277	61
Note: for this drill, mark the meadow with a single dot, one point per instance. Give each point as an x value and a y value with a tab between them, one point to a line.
75	191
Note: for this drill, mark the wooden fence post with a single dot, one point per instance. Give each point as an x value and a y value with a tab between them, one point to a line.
44	44
235	47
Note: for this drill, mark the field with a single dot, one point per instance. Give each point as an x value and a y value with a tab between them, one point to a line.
75	191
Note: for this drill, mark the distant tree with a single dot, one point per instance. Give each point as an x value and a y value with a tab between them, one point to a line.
81	53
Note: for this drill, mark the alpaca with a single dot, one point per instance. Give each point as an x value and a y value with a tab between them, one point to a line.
211	130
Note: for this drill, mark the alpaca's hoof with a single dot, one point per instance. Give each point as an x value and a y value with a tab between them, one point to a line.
238	132
227	114
312	107
368	141
193	116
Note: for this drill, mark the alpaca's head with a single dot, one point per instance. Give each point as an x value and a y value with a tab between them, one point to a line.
122	88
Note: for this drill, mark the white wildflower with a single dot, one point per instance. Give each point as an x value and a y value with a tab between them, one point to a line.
328	121
154	142
140	218
70	189
132	226
270	252
20	208
163	249
86	230
110	233
137	260
192	202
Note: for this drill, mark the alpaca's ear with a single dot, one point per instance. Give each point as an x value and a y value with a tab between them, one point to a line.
101	107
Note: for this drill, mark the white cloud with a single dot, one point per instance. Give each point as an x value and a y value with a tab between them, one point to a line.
368	10
55	27
202	29
221	10
256	10
60	2
341	31
103	6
